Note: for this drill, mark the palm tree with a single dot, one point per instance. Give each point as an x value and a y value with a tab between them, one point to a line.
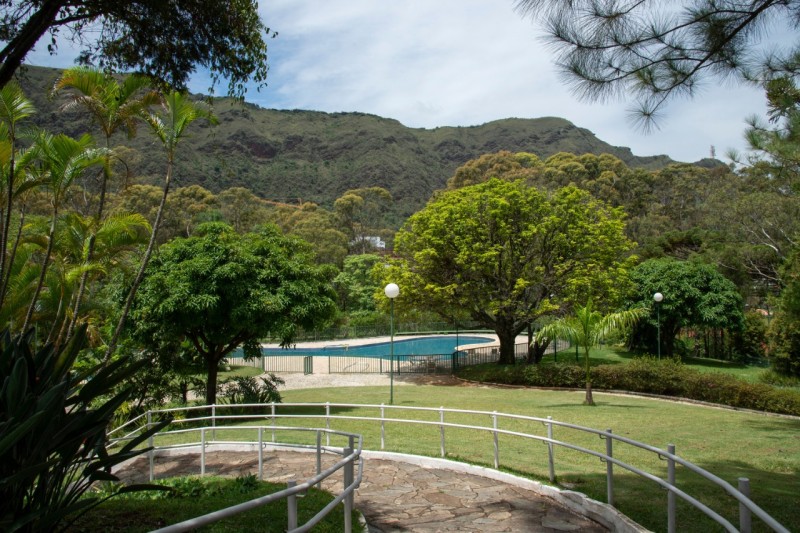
586	328
113	106
169	125
115	238
62	160
14	107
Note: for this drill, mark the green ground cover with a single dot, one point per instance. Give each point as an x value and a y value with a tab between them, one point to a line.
615	354
192	496
765	449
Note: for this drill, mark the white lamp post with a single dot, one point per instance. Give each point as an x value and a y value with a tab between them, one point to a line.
658	298
391	291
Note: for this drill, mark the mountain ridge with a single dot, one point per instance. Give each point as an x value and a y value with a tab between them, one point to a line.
316	156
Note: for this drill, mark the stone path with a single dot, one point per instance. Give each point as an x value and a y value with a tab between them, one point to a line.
397	496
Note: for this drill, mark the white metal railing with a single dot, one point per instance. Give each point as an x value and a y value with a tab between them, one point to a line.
350	457
747	508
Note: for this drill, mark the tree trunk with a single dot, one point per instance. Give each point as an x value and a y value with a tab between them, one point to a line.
507	337
537	350
588	400
37	25
43	272
90	250
112	345
212	368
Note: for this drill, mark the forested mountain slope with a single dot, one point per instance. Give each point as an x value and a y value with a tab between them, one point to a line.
315	156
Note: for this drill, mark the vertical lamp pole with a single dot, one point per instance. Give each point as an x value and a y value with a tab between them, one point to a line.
391	291
658	297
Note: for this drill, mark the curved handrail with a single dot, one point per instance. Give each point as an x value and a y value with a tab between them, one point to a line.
350	457
745	503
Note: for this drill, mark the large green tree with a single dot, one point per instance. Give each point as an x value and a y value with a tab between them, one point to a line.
222	290
505	254
166	39
656	51
785	329
695	295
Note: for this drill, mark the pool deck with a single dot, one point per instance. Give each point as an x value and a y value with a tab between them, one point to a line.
380	340
322	378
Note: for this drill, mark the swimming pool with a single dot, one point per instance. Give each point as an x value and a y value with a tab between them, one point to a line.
442	344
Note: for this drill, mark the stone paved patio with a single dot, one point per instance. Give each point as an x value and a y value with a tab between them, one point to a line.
397	496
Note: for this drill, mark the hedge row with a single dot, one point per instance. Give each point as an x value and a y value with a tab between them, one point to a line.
647	375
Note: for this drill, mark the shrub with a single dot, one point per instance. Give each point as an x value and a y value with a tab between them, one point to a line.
53	425
244	390
667	377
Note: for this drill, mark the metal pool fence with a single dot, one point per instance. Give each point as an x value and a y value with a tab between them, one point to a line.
447	363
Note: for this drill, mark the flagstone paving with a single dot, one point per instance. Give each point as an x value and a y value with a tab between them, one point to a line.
394	495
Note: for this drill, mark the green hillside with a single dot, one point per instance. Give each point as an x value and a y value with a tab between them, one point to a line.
315	156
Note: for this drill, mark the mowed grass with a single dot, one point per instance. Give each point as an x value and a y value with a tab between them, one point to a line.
730	444
610	355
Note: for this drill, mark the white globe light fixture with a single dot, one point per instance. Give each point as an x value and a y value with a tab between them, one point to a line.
658	298
391	291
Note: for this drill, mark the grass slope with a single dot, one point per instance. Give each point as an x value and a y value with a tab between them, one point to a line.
730	444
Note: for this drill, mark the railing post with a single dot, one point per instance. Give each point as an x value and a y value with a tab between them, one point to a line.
671	508
291	503
496	443
150	442
261	454
383	427
745	518
214	422
328	423
202	451
319	456
272	408
609	469
550	458
348	500
441	430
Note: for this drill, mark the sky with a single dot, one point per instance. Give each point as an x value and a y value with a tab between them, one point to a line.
430	63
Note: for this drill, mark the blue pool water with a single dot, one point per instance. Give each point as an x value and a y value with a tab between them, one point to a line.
421	346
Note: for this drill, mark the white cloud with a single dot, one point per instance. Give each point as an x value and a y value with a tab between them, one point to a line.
463	62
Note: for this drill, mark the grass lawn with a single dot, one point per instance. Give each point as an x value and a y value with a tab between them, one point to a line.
141	512
730	444
237	371
608	355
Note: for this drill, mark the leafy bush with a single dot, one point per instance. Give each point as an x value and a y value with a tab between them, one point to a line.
667	377
53	425
770	377
244	390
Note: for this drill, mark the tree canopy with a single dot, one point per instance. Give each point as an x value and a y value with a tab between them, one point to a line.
695	295
165	39
221	290
506	254
656	51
